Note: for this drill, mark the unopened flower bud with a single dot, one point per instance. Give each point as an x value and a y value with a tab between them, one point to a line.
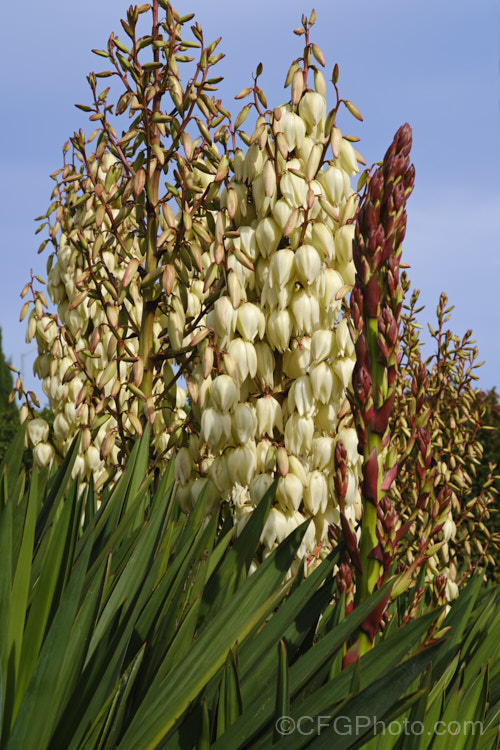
320	83
282	461
269	178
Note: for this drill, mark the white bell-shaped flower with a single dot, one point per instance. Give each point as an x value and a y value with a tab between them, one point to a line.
43	454
265	364
281	267
352	496
275	528
301	397
326	418
322	521
316	493
38	431
250	321
299	433
248	242
347	159
343	367
183	465
296	361
305	309
241	465
322	343
244	423
312	109
224	392
343	243
294	129
293	188
307	264
332	179
282	211
262	449
224	316
296	467
349	438
92	458
219	474
322	382
323	451
323	241
332	283
279	329
254	162
259	486
269	415
268	236
289	492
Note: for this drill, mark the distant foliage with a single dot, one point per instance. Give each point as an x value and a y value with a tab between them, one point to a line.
9	419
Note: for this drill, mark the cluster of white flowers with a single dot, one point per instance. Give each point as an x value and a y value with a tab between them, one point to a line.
285	356
271	374
97	324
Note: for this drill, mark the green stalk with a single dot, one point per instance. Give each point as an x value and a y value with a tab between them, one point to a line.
146	334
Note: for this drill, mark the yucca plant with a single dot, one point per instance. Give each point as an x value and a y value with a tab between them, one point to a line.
138	627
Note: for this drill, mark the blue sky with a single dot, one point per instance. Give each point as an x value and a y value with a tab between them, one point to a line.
432	64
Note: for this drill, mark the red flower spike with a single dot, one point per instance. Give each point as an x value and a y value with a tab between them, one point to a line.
372	622
351	543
